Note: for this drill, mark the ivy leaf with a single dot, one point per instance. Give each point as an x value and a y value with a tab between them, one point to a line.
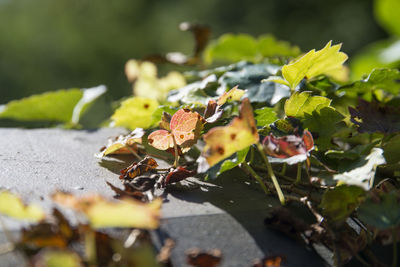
59	106
233	48
325	123
387	80
104	213
325	61
123	144
223	141
265	116
135	112
382	213
11	205
339	203
249	76
362	176
230	164
300	103
185	128
372	117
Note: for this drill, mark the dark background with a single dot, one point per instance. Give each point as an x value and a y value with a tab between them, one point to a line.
47	45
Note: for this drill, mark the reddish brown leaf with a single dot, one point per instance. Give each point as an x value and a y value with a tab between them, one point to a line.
177	175
198	258
289	145
270	261
136	169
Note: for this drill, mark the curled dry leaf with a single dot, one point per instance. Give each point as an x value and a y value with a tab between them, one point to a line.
185	127
223	141
128	191
138	168
179	174
270	261
105	213
198	258
123	144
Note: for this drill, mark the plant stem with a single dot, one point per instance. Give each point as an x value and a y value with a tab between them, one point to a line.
176	154
283	171
272	175
298	177
250	170
394	241
134	153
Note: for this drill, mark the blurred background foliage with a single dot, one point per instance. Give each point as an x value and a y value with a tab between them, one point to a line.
47	45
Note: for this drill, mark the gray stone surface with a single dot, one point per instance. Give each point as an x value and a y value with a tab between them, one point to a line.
227	214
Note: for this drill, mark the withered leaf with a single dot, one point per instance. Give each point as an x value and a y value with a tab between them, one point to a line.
123	144
371	117
198	258
179	174
270	261
138	168
128	191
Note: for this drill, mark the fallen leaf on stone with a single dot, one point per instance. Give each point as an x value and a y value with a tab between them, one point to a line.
138	168
165	252
198	258
223	141
11	205
270	261
123	144
128	191
105	213
178	174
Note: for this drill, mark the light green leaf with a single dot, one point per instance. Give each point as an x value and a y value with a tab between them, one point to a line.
230	164
387	14
11	205
301	103
325	61
265	116
339	203
381	214
135	112
59	258
89	95
363	176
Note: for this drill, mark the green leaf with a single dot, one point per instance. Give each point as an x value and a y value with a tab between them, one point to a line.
265	116
59	258
362	176
249	76
327	61
325	123
392	150
233	48
339	203
11	205
387	14
383	213
135	112
379	79
230	164
300	103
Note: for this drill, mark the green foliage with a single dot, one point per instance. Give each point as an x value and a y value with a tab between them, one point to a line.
265	116
392	150
229	164
382	213
301	103
233	48
339	203
386	12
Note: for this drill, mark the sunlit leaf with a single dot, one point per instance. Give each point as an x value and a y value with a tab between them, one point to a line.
59	106
223	141
104	213
161	139
325	61
123	144
300	103
382	213
233	48
386	13
234	94
363	175
337	204
265	116
11	205
58	258
230	164
135	112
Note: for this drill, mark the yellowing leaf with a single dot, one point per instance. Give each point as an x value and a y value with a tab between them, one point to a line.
300	103
185	128
223	141
234	94
58	258
135	112
124	144
325	61
147	84
11	205
104	213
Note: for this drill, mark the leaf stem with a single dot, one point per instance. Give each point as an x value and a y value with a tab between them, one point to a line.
176	154
298	177
394	241
283	171
250	170
272	175
134	153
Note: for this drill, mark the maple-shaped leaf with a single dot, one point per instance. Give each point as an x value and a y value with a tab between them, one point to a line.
371	117
185	126
136	169
105	213
11	205
300	103
123	144
223	141
328	60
